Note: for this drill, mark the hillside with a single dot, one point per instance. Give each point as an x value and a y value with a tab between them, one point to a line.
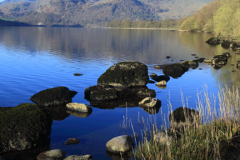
96	12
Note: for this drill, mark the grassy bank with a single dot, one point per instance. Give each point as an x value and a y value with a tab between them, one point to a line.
215	137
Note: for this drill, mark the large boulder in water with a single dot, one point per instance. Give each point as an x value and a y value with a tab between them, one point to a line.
24	127
53	97
174	70
125	74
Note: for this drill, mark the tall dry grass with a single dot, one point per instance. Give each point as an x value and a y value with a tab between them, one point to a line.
206	138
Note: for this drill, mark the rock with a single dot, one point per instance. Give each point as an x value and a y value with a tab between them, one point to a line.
193	54
120	144
153	75
207	61
150	102
3	109
200	60
227	54
80	107
53	97
193	64
185	65
238	65
160	78
213	41
183	114
146	92
225	44
77	74
183	118
161	83
125	74
234	70
76	157
72	141
174	70
221	57
163	138
100	93
79	114
55	154
200	68
24	127
160	66
232	64
196	57
168	57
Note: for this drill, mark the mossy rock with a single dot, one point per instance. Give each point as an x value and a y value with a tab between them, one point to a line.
174	70
125	74
24	127
53	97
213	41
100	93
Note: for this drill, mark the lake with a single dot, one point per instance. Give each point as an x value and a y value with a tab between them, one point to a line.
38	58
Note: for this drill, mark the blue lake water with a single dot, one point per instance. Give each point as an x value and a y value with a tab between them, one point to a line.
38	58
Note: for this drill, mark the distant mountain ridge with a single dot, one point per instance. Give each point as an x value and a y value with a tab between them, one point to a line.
95	12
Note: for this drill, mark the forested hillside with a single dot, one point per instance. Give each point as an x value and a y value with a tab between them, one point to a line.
97	12
221	17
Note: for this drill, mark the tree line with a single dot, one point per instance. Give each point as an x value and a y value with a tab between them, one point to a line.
220	17
127	23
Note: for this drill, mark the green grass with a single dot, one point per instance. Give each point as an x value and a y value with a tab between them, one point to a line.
211	140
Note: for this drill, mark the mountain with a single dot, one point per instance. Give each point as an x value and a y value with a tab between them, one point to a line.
96	12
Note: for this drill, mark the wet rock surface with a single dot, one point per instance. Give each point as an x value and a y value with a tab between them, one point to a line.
79	114
24	127
213	41
53	97
160	78
125	74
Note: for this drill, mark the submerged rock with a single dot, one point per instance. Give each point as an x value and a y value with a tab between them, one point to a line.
174	70
120	144
53	97
185	65
101	93
153	75
200	60
55	154
72	141
58	113
208	61
24	127
125	74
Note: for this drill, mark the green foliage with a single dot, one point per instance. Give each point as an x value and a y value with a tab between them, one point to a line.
127	23
189	24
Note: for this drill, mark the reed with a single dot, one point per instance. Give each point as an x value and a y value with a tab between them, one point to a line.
211	139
